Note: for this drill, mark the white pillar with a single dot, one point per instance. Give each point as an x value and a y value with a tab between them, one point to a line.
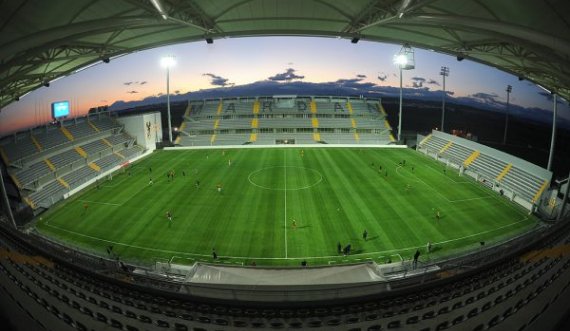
553	137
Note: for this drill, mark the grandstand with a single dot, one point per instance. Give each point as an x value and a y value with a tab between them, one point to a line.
90	274
518	275
46	163
522	181
295	119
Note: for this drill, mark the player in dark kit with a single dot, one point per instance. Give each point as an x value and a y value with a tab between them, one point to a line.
365	235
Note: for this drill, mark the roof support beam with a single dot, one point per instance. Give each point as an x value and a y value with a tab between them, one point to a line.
495	28
68	32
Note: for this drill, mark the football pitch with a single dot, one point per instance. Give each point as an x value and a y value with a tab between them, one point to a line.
280	206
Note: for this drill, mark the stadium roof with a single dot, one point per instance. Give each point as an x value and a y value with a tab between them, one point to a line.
43	40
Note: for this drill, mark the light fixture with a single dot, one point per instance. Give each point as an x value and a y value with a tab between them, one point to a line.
167	61
400	59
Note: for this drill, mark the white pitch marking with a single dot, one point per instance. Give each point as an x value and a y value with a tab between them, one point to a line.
101	203
285	198
276	258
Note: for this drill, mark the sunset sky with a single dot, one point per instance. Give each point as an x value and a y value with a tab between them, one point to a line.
246	60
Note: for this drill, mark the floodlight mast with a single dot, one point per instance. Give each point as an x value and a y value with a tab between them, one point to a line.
405	61
509	90
167	62
444	72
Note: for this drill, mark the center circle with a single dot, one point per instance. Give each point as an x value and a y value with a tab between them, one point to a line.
285	178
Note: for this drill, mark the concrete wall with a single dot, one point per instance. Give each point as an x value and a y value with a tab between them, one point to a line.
145	128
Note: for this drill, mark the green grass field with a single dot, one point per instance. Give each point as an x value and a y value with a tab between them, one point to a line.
332	194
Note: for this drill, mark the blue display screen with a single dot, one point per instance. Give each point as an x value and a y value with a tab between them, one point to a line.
60	109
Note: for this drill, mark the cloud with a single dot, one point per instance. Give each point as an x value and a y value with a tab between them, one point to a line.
485	97
354	83
432	82
382	76
217	80
132	92
418	82
288	75
361	76
135	83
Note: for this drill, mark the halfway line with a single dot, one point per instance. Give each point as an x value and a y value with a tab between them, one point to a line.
285	198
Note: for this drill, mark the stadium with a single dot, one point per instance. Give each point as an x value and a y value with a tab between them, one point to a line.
290	210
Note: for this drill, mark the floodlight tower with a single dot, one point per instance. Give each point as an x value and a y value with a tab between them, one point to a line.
509	90
445	73
168	62
405	61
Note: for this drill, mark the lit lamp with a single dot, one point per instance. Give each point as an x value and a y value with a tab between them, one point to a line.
405	61
168	62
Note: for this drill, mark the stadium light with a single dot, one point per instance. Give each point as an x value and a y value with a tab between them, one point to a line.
509	90
400	59
445	73
405	61
168	62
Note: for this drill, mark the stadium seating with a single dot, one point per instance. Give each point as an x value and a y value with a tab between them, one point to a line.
21	147
27	147
263	121
58	159
513	293
48	195
33	173
491	169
